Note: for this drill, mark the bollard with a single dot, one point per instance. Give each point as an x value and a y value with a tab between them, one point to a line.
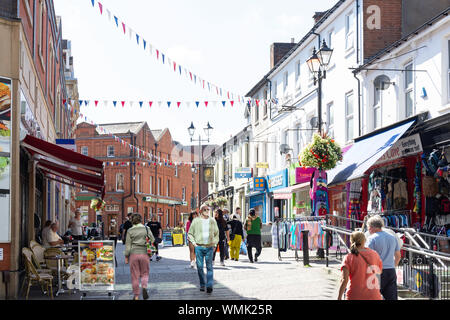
305	247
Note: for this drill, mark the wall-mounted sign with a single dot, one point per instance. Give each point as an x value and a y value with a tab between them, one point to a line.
263	165
164	201
67	143
402	148
303	175
277	180
242	173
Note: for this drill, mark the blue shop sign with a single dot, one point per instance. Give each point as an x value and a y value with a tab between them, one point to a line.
259	184
278	180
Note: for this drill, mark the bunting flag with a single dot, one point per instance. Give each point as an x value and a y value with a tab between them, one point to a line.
131	103
189	74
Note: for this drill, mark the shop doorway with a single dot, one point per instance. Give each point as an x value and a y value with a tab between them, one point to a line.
281	204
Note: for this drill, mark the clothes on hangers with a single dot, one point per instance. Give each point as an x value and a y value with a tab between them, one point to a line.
274	233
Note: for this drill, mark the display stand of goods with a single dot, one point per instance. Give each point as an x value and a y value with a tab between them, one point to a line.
97	204
322	153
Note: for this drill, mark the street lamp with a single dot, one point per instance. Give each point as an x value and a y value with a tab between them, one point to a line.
318	64
207	130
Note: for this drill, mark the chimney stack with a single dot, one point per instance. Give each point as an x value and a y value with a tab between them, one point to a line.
318	15
278	50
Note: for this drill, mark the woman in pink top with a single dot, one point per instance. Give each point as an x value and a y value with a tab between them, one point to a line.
362	266
192	216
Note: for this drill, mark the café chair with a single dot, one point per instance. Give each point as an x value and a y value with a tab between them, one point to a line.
38	252
32	276
53	264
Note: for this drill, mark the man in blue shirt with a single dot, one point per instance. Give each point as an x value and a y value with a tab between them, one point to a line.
388	248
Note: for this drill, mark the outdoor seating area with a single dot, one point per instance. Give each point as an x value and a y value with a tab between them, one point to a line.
47	267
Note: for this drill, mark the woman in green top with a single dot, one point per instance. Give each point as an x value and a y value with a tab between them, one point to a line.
253	226
136	254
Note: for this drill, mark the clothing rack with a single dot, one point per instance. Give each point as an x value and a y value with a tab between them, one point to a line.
305	218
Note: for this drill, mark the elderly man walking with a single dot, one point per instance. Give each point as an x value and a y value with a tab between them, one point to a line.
204	236
388	248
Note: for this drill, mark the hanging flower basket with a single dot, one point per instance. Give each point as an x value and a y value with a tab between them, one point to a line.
97	204
221	201
322	153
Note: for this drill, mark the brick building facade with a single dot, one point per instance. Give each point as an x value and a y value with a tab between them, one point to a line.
130	180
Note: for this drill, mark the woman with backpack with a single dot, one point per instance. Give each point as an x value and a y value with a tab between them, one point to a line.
236	235
224	235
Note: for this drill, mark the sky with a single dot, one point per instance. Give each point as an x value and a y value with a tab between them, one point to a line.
226	43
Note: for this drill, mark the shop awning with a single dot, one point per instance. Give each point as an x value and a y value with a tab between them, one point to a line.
286	193
66	166
364	153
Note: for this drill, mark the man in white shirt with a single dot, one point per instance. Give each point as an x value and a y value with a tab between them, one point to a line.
53	239
44	233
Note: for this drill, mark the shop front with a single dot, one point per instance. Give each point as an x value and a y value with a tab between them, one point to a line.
279	198
377	176
257	198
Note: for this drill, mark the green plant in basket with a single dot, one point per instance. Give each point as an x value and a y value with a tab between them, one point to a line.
322	153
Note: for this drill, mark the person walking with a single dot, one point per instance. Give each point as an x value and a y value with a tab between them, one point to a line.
238	214
362	266
204	236
253	225
226	216
136	255
388	248
155	227
224	236
192	216
127	225
236	235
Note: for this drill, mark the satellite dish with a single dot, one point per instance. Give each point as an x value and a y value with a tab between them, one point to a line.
382	82
284	148
314	122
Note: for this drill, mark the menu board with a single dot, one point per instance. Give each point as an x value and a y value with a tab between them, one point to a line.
5	158
96	265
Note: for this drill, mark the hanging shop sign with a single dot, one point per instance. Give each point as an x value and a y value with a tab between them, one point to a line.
262	165
5	159
402	148
97	271
242	173
259	184
277	180
208	174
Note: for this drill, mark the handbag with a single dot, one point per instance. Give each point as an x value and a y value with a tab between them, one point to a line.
151	249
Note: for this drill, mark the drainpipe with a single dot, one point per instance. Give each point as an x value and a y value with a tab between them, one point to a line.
128	195
358	62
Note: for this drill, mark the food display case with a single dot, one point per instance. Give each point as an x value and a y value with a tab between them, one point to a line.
97	269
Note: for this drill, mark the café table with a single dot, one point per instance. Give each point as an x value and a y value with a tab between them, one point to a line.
59	258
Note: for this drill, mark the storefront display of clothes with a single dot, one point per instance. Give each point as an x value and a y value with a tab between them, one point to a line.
290	235
319	193
436	189
387	190
401	220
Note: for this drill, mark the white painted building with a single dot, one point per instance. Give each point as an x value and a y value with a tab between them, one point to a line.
410	77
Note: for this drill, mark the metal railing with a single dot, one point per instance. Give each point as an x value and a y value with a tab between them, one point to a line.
422	270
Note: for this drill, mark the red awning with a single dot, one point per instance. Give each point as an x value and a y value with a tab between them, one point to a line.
65	164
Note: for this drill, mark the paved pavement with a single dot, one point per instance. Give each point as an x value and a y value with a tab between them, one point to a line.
171	278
